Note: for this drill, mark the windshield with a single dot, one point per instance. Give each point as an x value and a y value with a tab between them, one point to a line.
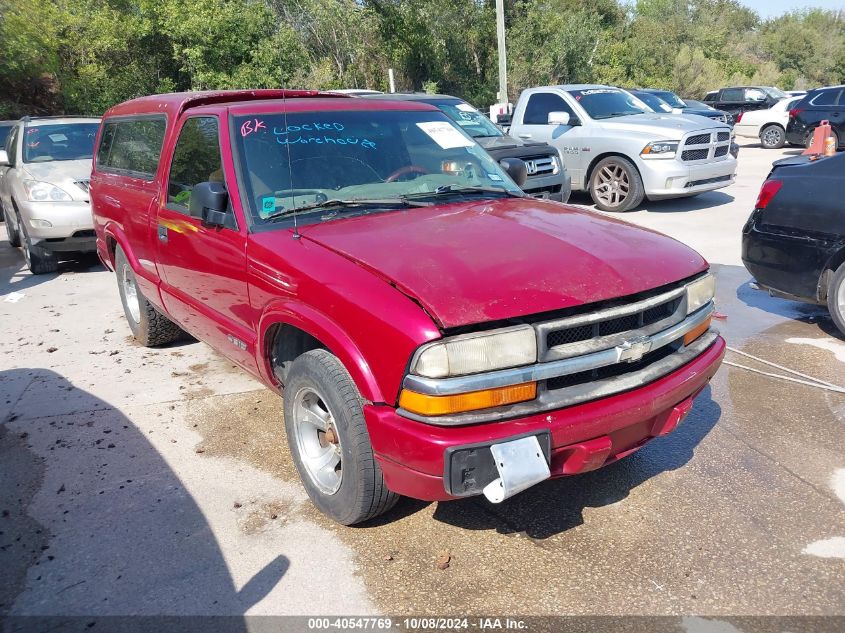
311	158
654	102
671	98
62	141
605	103
471	120
774	93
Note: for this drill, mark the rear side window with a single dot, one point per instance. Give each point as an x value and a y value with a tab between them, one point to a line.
826	98
131	146
540	104
733	94
196	159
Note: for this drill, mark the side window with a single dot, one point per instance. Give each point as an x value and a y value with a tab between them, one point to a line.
196	159
754	95
540	104
732	94
826	98
131	146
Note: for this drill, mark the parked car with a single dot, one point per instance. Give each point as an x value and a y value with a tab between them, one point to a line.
621	153
817	106
44	192
743	99
437	333
547	176
678	105
794	243
767	125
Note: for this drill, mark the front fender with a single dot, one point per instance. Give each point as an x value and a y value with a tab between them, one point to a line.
325	330
147	280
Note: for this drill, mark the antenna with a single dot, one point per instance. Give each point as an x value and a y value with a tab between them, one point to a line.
296	234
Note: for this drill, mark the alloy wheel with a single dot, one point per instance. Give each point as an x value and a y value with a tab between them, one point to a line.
317	440
130	292
612	185
771	137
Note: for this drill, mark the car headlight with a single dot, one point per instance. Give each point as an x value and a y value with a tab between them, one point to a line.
660	149
44	192
700	292
474	353
555	164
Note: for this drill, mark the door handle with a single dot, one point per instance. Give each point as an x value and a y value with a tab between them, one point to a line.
524	135
162	233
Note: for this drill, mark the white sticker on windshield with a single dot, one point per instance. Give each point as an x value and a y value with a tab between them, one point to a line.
465	107
57	138
444	134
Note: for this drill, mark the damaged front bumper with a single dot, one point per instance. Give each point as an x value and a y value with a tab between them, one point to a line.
438	463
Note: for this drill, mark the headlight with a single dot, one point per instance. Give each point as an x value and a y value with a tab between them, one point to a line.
555	164
473	353
700	292
44	192
660	149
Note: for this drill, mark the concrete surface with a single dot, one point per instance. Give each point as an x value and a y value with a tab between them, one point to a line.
137	481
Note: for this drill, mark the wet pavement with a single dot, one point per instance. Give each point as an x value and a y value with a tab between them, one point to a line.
158	481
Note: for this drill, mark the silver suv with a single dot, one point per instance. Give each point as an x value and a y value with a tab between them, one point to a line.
44	190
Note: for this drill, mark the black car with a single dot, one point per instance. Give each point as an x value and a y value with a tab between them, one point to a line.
819	105
652	96
744	98
794	241
547	176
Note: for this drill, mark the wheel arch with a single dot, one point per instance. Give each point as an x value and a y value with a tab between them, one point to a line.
836	260
289	328
588	173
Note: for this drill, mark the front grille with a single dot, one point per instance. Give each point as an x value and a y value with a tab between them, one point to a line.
724	136
694	154
540	165
612	371
721	151
698	139
82	184
613	325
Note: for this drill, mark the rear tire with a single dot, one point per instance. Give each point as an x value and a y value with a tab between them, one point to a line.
328	438
772	137
616	185
149	326
38	260
836	298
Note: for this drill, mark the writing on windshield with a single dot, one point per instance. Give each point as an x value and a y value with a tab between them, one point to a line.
605	103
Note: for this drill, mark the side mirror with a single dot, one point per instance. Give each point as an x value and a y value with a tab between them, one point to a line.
516	169
4	158
559	118
209	201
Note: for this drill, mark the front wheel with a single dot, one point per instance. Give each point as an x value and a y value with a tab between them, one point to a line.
11	232
836	298
616	185
38	260
772	137
149	327
328	439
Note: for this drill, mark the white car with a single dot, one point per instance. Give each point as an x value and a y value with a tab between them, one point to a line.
768	125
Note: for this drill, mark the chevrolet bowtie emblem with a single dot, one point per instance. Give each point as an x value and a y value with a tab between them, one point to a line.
634	350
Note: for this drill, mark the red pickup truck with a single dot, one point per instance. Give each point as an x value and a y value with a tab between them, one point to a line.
436	333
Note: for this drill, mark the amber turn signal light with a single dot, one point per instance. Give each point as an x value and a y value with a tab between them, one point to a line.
697	331
423	404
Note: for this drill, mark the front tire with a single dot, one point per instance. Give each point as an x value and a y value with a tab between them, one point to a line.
836	298
328	438
38	260
11	231
772	137
616	185
149	326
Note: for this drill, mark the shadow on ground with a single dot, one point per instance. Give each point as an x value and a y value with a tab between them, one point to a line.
95	523
702	201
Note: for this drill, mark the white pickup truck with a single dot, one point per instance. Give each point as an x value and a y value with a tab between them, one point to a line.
620	151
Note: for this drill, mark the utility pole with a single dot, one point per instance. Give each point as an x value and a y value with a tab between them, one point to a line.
503	56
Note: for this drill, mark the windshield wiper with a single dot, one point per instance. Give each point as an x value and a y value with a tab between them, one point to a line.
335	203
451	190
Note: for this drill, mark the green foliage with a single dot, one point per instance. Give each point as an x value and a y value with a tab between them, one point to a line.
82	56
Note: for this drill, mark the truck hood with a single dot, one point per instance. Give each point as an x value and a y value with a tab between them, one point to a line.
63	174
492	143
658	127
489	260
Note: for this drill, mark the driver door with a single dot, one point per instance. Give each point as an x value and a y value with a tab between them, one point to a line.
566	138
203	268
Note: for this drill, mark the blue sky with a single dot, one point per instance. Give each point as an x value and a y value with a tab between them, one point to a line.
774	8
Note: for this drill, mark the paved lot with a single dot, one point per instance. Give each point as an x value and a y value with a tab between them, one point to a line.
137	481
